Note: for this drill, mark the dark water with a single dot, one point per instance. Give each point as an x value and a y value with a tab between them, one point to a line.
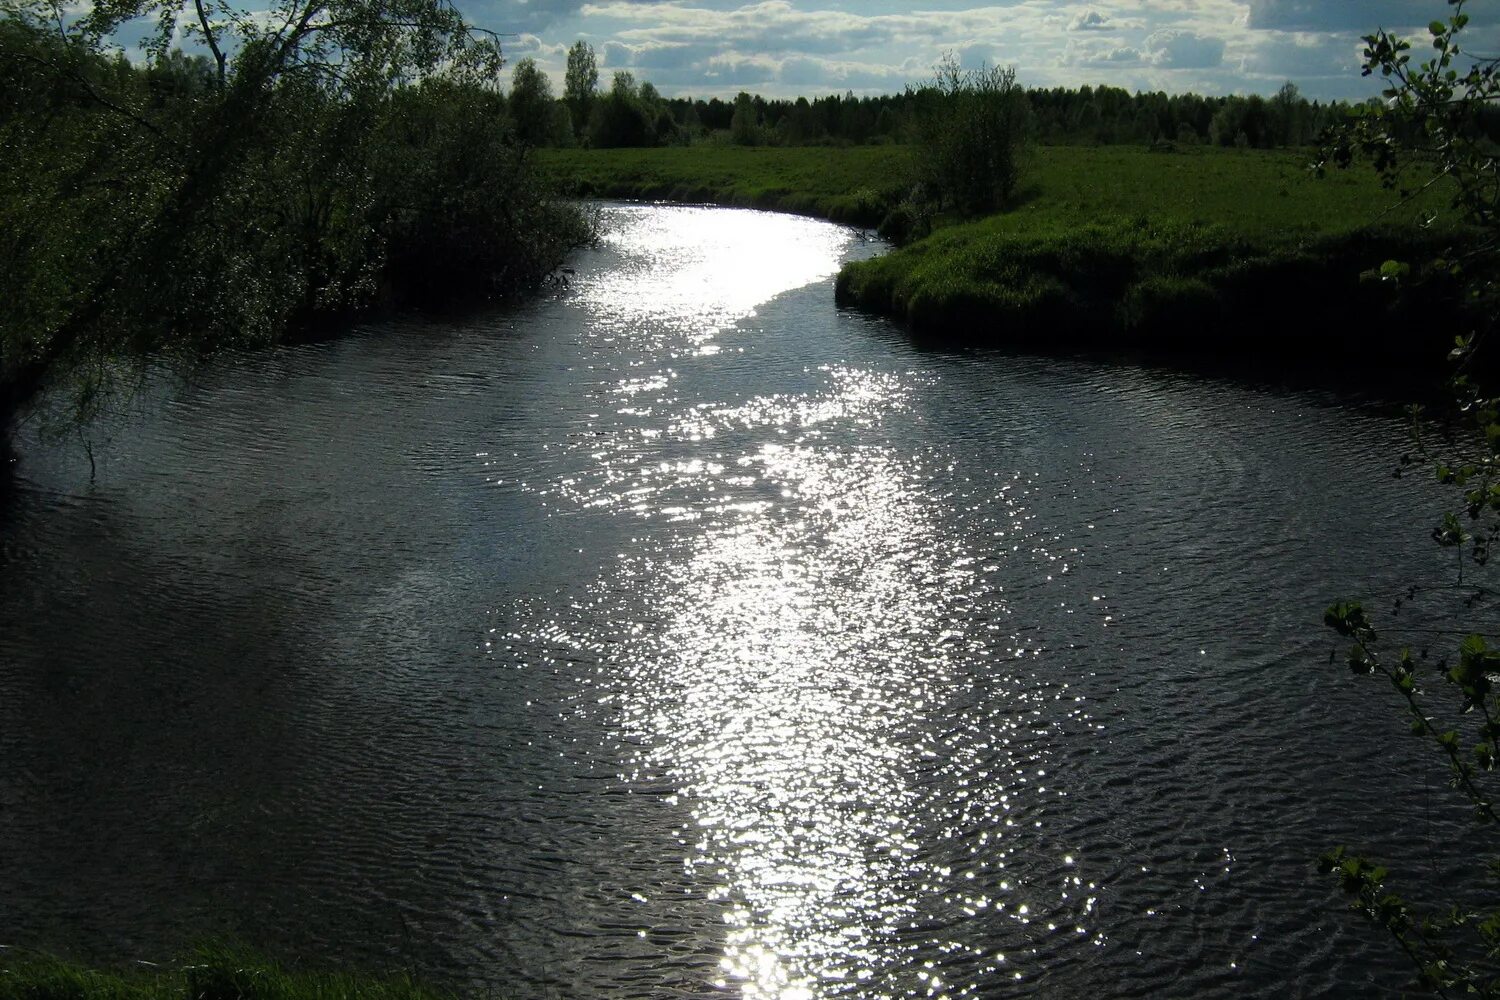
683	636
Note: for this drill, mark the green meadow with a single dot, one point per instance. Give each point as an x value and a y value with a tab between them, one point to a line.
1198	249
1255	192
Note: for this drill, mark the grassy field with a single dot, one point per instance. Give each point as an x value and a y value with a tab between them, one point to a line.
1200	249
211	975
1249	191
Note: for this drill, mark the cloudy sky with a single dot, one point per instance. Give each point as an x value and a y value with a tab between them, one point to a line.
792	47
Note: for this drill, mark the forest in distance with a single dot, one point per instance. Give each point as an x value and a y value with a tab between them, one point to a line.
286	177
628	112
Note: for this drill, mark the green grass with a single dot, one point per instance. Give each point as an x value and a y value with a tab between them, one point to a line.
1251	192
1144	284
216	974
1248	191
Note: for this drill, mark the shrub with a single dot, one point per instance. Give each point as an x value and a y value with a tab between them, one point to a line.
972	128
904	223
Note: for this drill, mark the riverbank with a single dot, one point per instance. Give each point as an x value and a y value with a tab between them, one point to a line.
215	974
1199	250
1152	286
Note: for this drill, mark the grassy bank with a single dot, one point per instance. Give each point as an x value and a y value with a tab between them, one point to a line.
1143	284
210	975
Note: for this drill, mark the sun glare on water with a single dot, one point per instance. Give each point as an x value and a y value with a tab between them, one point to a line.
787	668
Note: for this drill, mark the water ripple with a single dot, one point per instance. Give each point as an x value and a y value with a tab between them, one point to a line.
683	636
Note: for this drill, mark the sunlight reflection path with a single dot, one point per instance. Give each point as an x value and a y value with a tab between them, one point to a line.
690	273
787	669
791	726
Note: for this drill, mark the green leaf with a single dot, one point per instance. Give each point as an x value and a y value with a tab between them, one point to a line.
1346	617
1394	270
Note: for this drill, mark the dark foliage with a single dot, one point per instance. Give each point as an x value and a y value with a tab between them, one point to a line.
359	155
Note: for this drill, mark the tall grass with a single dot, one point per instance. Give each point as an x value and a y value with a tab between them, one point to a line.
1162	285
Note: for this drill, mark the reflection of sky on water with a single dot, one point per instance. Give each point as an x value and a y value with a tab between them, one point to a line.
790	681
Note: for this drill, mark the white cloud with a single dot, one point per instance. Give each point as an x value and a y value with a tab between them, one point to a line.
1302	56
1174	48
790	47
1090	20
831	74
741	69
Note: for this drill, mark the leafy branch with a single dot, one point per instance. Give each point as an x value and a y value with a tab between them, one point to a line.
1437	117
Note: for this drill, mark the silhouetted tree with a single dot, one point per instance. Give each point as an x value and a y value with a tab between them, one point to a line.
744	126
579	83
532	107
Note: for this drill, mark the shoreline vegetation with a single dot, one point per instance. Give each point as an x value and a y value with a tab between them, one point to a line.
208	974
331	159
1189	250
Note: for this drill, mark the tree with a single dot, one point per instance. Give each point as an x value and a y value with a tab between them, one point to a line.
1434	116
1287	109
663	126
972	129
531	104
195	205
579	83
621	117
744	126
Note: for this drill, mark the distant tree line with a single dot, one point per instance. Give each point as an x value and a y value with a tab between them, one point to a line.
632	113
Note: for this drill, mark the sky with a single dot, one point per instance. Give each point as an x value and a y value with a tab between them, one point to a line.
786	48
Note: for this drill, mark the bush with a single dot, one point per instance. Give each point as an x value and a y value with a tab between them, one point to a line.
904	223
456	208
972	128
1148	284
211	973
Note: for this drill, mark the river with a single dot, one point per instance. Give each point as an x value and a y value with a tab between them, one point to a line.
682	635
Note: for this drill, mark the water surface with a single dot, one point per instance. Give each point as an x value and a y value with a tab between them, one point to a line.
681	635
